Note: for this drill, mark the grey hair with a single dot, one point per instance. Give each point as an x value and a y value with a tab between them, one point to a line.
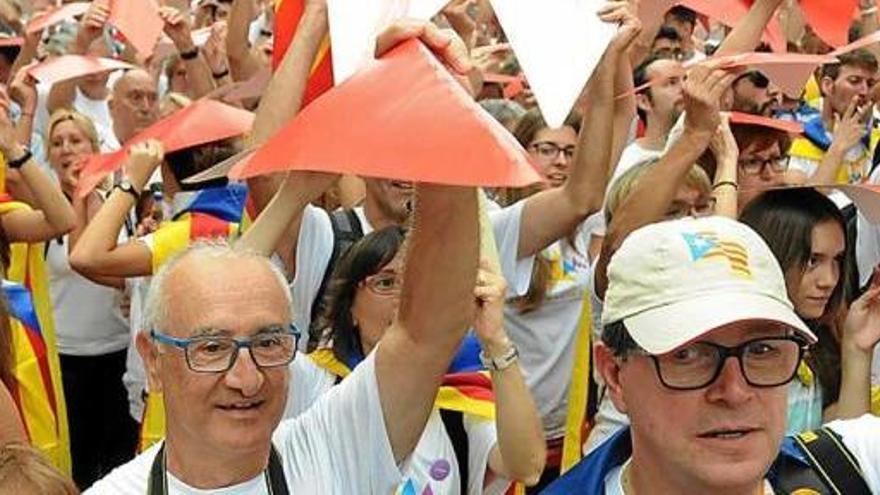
156	303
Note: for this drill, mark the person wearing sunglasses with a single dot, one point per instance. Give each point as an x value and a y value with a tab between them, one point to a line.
698	344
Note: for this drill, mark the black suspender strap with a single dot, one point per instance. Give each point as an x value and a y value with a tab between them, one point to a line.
276	482
275	479
454	423
833	462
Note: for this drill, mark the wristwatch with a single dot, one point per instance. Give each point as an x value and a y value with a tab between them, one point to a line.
127	187
502	362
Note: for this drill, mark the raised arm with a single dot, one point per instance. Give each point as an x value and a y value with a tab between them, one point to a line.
53	215
552	214
861	333
520	452
282	209
848	130
652	195
198	74
91	26
284	94
437	301
436	308
96	254
725	187
242	63
624	108
746	35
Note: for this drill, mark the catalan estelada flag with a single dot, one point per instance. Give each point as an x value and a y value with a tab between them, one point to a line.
287	16
38	391
211	213
466	387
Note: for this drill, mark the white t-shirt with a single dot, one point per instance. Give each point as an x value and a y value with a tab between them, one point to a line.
868	257
99	112
316	448
315	247
546	336
433	464
88	316
861	436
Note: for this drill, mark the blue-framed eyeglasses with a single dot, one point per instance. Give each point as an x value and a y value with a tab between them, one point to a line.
272	347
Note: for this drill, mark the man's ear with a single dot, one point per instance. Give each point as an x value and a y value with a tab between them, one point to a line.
609	367
150	356
643	103
826	85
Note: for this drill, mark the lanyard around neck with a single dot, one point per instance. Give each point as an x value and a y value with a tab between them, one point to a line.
273	475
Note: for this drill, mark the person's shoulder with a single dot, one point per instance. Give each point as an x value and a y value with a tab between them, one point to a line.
130	478
863	429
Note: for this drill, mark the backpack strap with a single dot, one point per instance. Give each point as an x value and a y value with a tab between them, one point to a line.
347	231
453	421
832	462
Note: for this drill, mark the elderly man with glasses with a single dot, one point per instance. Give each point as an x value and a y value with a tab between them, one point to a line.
699	341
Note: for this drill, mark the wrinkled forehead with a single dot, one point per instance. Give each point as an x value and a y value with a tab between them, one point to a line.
135	80
241	296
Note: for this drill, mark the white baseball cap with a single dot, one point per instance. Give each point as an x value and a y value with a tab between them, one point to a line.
672	282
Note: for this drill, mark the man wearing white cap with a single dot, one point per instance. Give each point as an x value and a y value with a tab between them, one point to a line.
699	340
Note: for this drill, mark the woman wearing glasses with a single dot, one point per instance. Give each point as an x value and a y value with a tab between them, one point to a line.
457	454
806	232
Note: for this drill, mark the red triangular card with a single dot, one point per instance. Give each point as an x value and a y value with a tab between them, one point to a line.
780	125
55	15
402	117
830	18
201	122
71	66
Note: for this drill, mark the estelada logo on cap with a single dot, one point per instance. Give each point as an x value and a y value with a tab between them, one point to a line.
706	245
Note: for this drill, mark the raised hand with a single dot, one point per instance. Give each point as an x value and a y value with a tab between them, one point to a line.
705	86
143	159
92	24
177	28
624	13
489	320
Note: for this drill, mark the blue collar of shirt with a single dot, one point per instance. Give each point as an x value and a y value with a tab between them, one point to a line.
588	476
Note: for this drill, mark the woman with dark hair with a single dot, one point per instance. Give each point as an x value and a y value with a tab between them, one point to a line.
461	450
806	232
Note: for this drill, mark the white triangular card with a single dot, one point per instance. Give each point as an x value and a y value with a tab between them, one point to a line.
558	44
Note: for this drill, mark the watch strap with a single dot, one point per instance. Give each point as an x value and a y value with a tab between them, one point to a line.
20	161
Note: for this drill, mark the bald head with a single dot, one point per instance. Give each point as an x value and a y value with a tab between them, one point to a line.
134	104
211	285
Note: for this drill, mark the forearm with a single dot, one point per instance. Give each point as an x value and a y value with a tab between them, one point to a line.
199	76
624	111
585	186
26	55
283	96
521	443
650	197
826	172
25	126
855	383
238	25
436	308
99	238
746	35
267	231
725	188
870	25
48	198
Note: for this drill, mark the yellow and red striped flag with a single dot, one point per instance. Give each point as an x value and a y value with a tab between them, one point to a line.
287	17
38	391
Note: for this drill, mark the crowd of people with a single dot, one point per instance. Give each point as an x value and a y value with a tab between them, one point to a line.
687	302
